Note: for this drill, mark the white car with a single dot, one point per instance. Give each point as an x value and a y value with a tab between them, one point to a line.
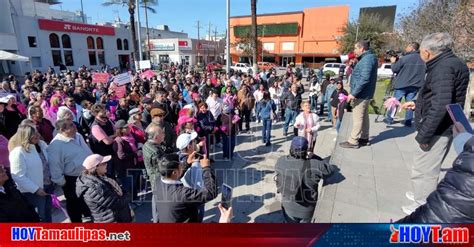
242	67
385	70
334	67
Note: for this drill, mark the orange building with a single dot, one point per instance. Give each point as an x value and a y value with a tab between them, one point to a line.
309	36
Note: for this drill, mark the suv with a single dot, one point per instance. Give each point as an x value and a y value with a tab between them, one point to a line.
242	67
385	70
334	67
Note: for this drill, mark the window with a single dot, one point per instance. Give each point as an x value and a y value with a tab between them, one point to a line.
54	40
288	46
56	57
90	43
269	46
68	58
100	43
66	41
119	44
336	65
101	56
32	41
388	66
125	44
92	58
328	65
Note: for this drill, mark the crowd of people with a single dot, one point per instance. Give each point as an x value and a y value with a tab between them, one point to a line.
97	141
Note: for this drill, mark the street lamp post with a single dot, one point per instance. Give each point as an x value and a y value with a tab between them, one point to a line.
139	33
227	41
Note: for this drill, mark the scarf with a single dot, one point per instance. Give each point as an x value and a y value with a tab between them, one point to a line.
308	123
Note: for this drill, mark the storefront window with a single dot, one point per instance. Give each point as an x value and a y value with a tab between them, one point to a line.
56	54
90	43
92	58
119	44
100	43
68	58
54	40
66	41
125	44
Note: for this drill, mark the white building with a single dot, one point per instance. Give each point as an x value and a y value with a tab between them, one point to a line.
186	51
49	38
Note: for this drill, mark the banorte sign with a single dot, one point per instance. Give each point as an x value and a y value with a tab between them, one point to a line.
72	27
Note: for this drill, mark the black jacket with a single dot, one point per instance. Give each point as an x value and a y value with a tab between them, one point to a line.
105	204
453	199
446	82
291	101
410	70
176	203
297	180
14	207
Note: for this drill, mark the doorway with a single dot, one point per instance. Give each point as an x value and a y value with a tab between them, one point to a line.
286	60
124	62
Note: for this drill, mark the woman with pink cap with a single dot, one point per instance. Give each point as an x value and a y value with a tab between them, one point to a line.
103	195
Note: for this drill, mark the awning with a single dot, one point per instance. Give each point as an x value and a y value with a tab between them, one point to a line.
12	57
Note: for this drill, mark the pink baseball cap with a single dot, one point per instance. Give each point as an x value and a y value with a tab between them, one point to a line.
92	161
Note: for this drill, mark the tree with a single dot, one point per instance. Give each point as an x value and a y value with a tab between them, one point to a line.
369	27
146	5
450	16
131	10
253	8
245	44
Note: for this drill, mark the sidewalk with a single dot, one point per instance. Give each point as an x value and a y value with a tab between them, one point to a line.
374	178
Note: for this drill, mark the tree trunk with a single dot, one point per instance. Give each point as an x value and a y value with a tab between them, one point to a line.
131	11
147	31
253	4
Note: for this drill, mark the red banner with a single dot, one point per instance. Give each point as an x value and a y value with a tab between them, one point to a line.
73	27
100	77
147	74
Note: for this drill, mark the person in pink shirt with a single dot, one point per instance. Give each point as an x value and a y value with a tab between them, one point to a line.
4	152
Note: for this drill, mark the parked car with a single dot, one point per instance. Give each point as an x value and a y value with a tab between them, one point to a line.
213	66
265	65
385	70
334	67
242	67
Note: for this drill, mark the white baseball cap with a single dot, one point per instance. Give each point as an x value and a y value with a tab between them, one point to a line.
184	139
93	160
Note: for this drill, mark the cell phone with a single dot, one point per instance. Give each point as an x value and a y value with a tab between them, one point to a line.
457	115
226	199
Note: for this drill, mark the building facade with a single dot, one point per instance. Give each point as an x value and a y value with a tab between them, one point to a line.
186	51
309	36
51	42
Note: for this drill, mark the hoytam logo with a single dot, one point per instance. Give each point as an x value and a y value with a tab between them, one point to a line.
73	234
435	234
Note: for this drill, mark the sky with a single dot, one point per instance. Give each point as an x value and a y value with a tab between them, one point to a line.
182	15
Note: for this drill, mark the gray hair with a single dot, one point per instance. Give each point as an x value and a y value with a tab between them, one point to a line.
153	130
437	42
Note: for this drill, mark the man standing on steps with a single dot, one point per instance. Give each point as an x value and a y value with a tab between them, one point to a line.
363	81
292	101
446	82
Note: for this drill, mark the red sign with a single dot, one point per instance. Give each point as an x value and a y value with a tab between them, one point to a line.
182	43
148	74
100	77
73	27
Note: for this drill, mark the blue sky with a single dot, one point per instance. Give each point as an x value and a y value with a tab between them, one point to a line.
181	15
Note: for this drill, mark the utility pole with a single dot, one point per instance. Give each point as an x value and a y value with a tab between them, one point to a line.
216	43
227	41
82	13
147	31
198	26
207	49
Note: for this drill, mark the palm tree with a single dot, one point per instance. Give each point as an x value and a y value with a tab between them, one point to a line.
253	7
146	5
131	11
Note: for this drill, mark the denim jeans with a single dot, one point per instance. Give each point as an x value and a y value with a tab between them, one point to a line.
338	124
42	204
323	102
314	102
266	130
290	117
329	111
257	110
228	145
291	219
409	93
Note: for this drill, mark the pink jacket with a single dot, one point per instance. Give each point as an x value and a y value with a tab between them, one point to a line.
4	152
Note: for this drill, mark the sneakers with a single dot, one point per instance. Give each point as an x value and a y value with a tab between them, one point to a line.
268	144
364	142
388	122
410	196
348	145
409	209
